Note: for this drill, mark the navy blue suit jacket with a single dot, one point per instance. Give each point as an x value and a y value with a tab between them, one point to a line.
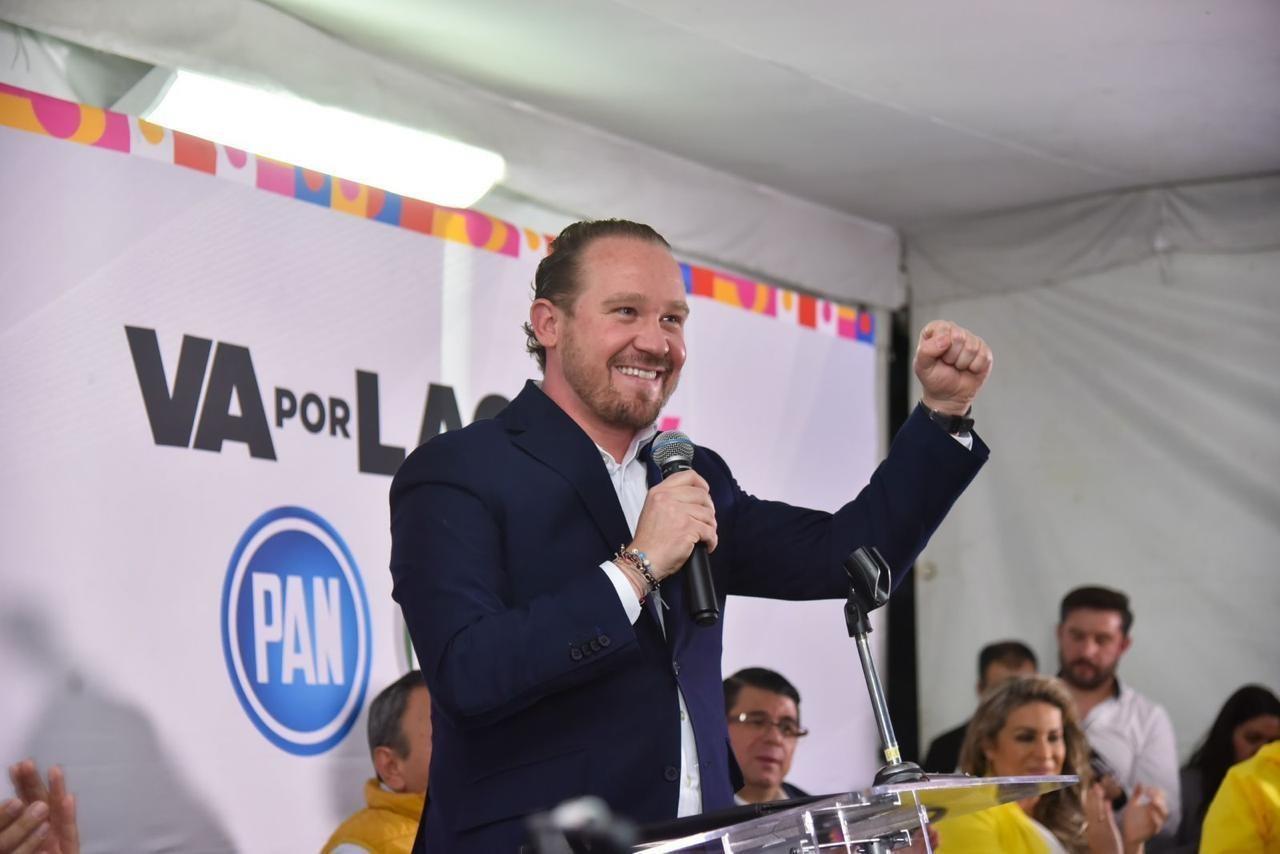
541	688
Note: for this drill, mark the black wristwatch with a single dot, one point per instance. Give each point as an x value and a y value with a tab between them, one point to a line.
956	425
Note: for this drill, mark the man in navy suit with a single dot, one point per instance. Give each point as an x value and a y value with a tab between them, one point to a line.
559	664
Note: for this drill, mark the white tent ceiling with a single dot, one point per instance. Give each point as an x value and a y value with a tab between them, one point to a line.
893	111
780	138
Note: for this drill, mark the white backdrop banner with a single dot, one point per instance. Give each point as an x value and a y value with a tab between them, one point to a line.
213	364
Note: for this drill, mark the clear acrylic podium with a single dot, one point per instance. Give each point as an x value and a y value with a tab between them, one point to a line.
874	820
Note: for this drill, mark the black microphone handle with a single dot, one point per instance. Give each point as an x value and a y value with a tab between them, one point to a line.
699	588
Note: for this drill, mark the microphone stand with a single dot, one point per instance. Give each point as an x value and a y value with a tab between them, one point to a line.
869	581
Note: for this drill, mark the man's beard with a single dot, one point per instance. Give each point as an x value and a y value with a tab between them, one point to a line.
607	402
1092	676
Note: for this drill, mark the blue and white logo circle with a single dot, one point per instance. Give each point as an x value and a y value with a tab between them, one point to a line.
295	630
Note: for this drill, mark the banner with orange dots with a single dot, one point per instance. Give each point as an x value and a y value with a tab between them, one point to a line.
42	114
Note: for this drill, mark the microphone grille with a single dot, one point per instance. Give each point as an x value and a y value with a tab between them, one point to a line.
672	446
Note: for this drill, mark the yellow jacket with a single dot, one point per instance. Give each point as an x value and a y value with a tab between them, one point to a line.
387	825
1005	828
1245	813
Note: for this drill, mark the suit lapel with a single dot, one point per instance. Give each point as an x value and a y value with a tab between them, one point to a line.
674	622
546	433
542	429
653	474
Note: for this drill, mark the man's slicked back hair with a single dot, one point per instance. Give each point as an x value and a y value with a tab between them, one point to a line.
557	276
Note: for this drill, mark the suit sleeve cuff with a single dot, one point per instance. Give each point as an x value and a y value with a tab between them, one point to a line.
626	593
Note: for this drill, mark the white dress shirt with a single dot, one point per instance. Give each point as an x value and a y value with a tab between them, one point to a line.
631	482
1135	736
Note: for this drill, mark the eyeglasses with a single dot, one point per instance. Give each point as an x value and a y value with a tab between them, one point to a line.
760	722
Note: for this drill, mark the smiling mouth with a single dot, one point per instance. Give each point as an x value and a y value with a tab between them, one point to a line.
638	373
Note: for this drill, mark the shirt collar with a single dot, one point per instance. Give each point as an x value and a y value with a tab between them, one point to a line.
633	450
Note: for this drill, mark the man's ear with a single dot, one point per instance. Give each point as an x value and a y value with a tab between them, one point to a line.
387	764
544	317
1125	643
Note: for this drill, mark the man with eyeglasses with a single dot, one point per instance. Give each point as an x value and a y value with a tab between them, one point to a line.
764	728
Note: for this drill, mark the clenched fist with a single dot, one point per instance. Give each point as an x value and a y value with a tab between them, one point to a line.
952	364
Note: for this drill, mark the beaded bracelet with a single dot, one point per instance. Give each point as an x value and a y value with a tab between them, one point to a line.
640	561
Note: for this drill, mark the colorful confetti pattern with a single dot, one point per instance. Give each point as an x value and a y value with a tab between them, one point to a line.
36	113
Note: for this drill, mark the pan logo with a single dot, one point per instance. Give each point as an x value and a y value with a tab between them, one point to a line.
295	630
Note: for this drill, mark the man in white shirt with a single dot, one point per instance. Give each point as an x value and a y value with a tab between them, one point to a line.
1132	734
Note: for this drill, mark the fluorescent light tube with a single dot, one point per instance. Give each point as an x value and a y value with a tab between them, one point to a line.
326	139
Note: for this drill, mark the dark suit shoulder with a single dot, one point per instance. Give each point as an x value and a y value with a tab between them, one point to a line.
715	471
712	467
712	459
455	457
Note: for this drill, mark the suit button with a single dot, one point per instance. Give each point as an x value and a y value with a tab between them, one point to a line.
575	654
672	773
675	665
586	650
595	646
604	640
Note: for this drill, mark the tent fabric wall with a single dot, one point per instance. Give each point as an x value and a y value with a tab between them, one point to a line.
1014	250
1132	415
560	164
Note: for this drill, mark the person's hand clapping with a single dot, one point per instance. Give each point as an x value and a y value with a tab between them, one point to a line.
42	818
951	363
1101	832
1144	815
677	514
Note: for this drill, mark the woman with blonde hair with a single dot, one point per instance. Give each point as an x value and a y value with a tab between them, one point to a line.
1028	727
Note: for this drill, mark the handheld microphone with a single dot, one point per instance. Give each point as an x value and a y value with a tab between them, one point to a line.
673	452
